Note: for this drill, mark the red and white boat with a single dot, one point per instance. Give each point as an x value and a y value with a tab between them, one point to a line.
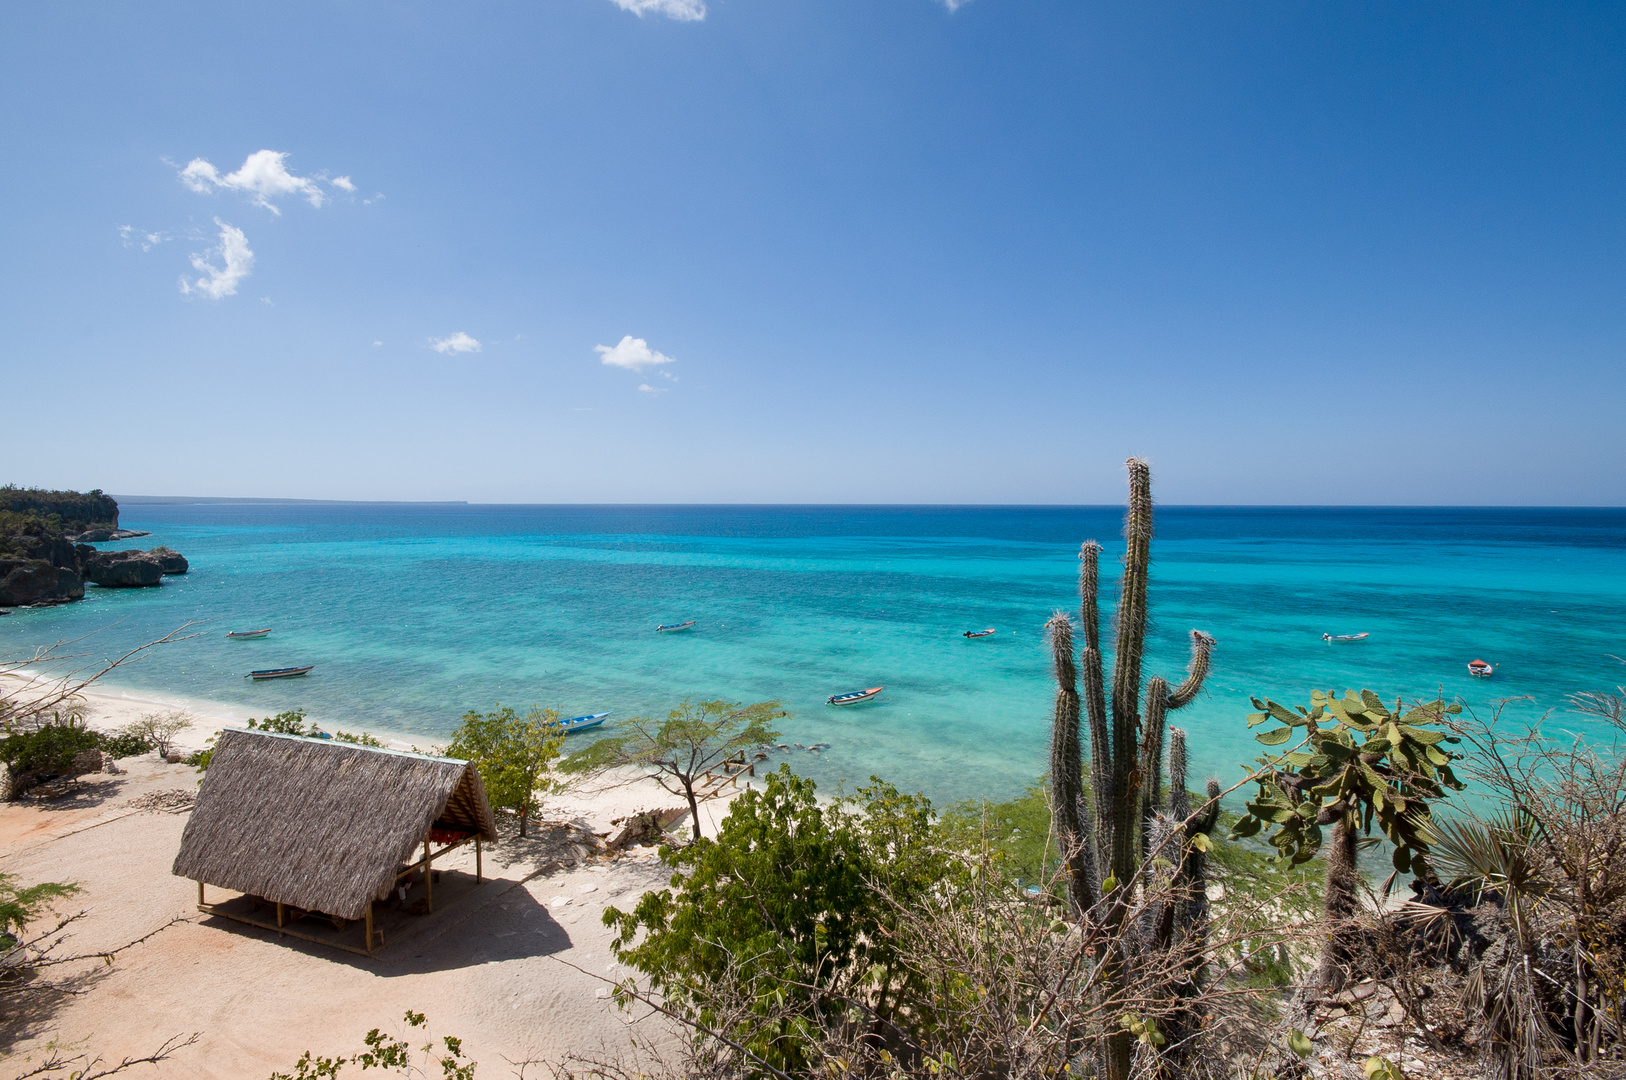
1481	669
853	697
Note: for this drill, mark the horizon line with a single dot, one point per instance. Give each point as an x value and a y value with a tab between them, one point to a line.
174	500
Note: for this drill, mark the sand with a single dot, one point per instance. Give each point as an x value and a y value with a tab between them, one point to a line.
497	967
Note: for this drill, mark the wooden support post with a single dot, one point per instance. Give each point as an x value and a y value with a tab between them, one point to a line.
428	878
280	919
476	862
200	894
369	927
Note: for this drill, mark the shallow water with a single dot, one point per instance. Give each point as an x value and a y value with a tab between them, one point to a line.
414	614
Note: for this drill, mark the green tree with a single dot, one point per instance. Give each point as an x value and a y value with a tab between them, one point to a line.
791	901
694	739
513	753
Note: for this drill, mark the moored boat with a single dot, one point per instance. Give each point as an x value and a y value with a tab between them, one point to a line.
244	635
582	723
280	672
666	628
853	697
1481	669
1346	637
978	633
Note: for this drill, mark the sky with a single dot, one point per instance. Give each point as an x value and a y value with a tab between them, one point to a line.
832	251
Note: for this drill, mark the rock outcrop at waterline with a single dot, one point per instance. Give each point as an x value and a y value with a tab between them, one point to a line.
41	565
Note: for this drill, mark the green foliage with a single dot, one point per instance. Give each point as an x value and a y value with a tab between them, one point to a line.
790	895
386	1052
47	750
71	510
1359	761
513	753
694	739
291	722
21	906
126	743
364	739
1016	832
159	729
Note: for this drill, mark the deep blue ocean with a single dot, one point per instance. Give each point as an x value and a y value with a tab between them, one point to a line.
414	614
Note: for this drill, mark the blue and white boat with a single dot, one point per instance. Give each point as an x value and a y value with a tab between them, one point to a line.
666	628
582	723
853	697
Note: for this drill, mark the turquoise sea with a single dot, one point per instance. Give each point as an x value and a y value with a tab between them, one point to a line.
414	614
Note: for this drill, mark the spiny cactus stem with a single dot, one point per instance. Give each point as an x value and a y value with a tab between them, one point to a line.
1179	798
1202	649
1066	781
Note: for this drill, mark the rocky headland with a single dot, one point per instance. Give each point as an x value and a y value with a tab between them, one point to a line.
46	555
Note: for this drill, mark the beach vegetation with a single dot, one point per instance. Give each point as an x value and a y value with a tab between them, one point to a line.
513	754
443	1057
291	722
792	907
72	511
685	751
158	730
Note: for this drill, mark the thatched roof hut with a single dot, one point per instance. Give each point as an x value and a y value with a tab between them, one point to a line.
319	825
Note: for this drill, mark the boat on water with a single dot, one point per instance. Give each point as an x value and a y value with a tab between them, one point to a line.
1345	637
280	672
666	628
582	723
244	635
978	633
853	697
1481	669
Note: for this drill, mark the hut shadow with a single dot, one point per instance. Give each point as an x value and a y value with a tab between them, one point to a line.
72	793
494	921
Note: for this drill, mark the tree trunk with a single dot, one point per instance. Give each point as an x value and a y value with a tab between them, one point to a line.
694	807
1343	883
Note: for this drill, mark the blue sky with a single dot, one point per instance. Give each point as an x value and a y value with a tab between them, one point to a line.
815	250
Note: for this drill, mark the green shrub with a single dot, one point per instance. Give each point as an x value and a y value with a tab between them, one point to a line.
126	743
366	738
1016	832
50	749
286	723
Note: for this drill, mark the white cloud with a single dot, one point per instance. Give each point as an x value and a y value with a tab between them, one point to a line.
955	5
236	263
454	343
263	178
378	343
632	353
134	237
681	10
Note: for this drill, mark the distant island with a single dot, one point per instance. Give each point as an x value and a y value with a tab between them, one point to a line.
46	555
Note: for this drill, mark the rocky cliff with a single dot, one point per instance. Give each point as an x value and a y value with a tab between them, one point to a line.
40	564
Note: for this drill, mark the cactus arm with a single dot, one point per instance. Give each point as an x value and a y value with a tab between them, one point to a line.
1066	765
1202	649
1095	701
1179	797
1127	778
1151	744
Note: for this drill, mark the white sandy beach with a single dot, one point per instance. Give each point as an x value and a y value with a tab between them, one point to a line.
497	967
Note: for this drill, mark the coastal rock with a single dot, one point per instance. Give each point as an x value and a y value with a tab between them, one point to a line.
172	562
87	761
122	569
101	534
37	582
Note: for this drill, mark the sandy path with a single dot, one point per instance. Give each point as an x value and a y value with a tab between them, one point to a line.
490	969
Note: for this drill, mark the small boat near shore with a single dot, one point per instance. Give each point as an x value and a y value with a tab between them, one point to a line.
1345	637
244	635
978	633
583	723
280	672
853	697
1481	670
667	628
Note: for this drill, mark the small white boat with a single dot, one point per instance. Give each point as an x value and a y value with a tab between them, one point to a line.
853	697
280	672
1480	669
666	628
1345	637
244	635
582	723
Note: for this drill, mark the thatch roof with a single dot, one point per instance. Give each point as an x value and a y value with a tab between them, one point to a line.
321	825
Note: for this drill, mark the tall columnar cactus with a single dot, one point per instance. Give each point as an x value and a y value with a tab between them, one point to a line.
1126	745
